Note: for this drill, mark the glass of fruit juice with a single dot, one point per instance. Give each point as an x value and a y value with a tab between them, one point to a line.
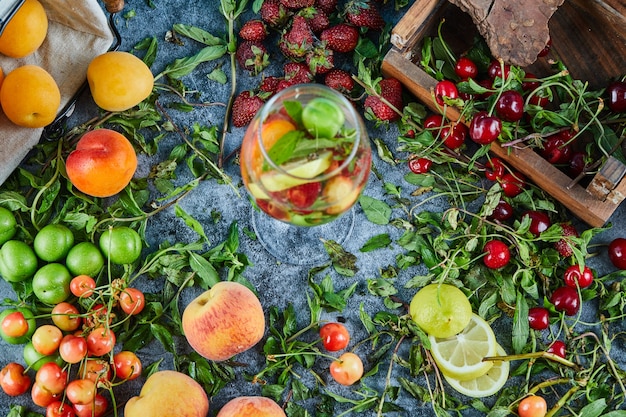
305	159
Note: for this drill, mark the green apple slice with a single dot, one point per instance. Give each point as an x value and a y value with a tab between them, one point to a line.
296	173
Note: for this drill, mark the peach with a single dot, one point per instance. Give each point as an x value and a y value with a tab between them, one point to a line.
251	407
169	393
102	164
223	321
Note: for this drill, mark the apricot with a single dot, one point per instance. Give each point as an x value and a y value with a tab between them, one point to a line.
30	97
119	80
26	30
251	407
223	321
102	164
169	393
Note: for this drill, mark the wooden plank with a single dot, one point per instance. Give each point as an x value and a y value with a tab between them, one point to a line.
411	26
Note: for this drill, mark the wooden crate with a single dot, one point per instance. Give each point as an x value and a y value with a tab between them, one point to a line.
588	36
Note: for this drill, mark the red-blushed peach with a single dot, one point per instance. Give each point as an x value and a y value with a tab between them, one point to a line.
102	164
251	407
166	394
223	321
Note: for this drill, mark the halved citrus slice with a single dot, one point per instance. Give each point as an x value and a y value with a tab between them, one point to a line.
487	384
296	173
461	356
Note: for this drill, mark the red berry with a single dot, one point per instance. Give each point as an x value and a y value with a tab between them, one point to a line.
502	212
364	14
341	37
538	318
465	68
512	183
497	254
339	80
564	246
574	277
420	165
484	128
445	89
557	348
617	252
390	90
539	221
245	106
617	96
566	299
253	30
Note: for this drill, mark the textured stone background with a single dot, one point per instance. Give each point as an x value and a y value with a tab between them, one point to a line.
276	284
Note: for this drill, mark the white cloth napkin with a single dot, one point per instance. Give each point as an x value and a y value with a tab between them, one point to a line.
78	31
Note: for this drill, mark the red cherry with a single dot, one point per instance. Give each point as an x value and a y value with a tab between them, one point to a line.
557	348
496	69
502	212
566	299
497	254
494	169
617	252
454	137
538	318
510	106
573	276
617	96
465	68
420	165
445	89
484	128
539	221
512	183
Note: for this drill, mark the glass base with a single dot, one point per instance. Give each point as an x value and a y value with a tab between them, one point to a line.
300	245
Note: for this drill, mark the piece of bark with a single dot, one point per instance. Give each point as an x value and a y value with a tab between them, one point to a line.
516	31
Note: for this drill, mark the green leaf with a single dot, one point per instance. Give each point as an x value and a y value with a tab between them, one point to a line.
283	149
376	242
521	329
164	336
343	262
294	110
376	211
204	270
194	224
184	66
197	34
218	75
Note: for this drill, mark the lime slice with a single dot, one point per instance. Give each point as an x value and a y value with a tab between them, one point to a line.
461	356
441	310
296	173
487	384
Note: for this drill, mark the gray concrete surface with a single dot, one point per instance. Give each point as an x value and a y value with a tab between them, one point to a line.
277	284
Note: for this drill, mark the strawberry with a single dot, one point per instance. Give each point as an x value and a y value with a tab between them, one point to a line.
390	90
320	59
245	106
303	196
269	84
296	40
297	73
317	19
253	30
340	80
252	56
297	4
341	37
274	13
282	84
327	6
564	246
362	13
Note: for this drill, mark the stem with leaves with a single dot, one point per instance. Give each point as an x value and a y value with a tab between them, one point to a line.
231	11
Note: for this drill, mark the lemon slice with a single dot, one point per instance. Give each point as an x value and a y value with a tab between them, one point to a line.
460	356
487	384
296	173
